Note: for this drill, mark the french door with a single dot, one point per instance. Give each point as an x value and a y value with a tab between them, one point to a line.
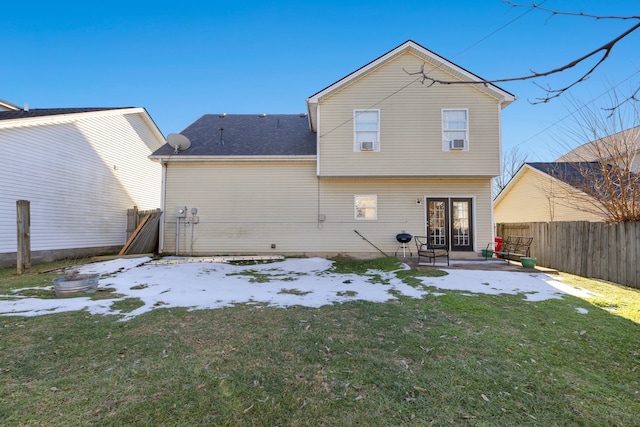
449	223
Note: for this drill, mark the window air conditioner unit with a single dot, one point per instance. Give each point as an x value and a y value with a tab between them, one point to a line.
456	144
366	146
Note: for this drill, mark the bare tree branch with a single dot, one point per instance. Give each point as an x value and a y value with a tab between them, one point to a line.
604	50
511	163
632	97
554	12
608	167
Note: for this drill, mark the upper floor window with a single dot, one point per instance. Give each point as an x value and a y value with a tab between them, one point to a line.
366	207
455	129
366	127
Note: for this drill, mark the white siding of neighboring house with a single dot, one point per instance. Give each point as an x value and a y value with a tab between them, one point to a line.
244	207
81	174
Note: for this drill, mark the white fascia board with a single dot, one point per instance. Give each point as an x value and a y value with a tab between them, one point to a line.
71	117
312	111
187	158
515	178
65	118
9	106
161	140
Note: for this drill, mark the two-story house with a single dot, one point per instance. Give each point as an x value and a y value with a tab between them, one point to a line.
377	152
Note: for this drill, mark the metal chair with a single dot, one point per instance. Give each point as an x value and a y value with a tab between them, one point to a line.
429	251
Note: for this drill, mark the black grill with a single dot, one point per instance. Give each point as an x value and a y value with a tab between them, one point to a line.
404	237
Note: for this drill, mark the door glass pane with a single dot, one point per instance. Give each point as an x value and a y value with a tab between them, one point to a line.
460	227
438	222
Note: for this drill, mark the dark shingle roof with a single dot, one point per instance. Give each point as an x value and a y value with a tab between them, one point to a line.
590	177
573	173
248	135
41	112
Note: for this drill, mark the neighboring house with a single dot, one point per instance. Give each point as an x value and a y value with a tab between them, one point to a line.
7	106
546	192
81	169
621	148
377	152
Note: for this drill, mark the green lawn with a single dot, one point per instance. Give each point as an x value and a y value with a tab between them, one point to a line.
442	360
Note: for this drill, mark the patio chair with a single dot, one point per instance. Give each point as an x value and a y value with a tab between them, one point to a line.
429	251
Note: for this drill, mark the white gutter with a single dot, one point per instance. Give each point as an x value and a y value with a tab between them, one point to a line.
210	158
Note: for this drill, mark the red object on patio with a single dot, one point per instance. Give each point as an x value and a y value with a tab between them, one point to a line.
498	244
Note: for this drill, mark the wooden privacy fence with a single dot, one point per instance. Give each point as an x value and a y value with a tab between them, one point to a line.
589	249
142	231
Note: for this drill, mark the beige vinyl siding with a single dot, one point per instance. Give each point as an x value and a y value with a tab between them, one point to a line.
536	197
397	208
410	126
622	147
80	176
244	207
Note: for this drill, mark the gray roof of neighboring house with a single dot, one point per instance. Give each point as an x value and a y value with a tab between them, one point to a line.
41	112
573	173
587	176
247	135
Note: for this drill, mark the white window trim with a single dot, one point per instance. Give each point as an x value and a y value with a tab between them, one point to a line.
356	144
446	143
355	207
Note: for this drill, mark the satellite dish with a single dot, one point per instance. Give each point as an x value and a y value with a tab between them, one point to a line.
178	141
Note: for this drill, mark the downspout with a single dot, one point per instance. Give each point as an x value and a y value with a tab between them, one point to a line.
319	222
163	198
493	223
318	140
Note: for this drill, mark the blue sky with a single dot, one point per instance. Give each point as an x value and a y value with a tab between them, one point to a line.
181	60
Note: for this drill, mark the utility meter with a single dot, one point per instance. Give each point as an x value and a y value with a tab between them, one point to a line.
181	212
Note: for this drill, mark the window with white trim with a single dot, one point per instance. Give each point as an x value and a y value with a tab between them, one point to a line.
366	130
366	207
455	129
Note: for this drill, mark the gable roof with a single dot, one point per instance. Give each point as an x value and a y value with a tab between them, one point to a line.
47	116
620	143
456	71
41	112
572	173
246	135
7	106
582	176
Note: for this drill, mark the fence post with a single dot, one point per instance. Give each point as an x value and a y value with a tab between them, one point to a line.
23	227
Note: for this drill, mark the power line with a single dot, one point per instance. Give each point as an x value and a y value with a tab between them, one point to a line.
496	30
372	105
434	68
577	109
